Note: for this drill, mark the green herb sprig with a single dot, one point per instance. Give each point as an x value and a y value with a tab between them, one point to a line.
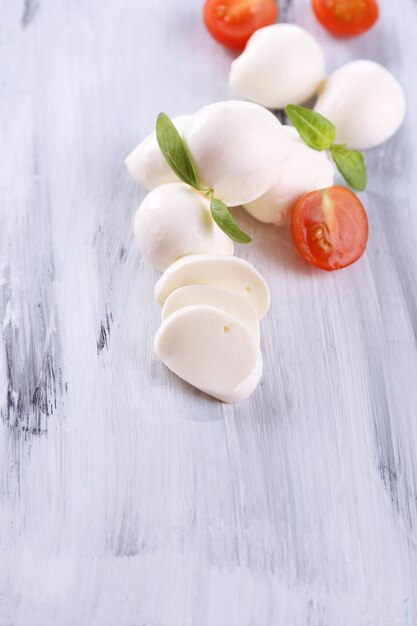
319	133
180	161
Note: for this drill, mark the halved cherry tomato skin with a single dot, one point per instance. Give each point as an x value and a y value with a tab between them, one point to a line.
346	18
232	22
330	228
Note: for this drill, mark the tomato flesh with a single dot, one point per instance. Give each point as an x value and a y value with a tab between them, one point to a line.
346	17
232	22
330	227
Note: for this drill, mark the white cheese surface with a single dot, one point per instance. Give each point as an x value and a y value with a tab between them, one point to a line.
147	164
365	102
229	301
238	148
208	348
247	386
281	64
304	170
229	272
174	220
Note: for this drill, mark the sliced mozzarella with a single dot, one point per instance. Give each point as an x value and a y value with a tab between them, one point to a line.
281	64
174	221
146	163
206	269
364	101
305	170
238	148
224	299
246	387
207	347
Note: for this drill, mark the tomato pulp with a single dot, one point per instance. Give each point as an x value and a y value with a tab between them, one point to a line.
346	17
232	22
330	227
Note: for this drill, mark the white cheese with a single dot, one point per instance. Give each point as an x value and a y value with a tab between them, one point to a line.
146	163
304	170
229	301
364	101
174	220
228	272
210	349
247	386
281	64
238	148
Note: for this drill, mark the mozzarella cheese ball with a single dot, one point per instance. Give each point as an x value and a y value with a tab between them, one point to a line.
305	170
364	101
147	164
173	221
281	64
237	148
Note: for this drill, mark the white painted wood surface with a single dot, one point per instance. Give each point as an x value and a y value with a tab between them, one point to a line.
126	497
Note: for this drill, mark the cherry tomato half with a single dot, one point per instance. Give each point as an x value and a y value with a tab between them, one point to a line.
346	17
232	22
330	227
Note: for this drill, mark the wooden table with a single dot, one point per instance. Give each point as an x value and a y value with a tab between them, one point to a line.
127	497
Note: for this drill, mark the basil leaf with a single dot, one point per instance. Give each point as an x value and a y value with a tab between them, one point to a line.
175	151
351	165
314	129
226	223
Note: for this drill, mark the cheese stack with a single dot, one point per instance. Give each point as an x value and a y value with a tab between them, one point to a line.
209	335
211	301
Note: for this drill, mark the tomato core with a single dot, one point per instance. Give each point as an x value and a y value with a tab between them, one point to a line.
317	238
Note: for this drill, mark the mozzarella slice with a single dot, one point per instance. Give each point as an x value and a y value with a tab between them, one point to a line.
246	387
364	101
281	64
146	163
208	348
228	301
305	170
238	148
174	221
205	269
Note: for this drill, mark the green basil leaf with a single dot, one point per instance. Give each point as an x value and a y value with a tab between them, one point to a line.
226	223
175	151
351	165
314	129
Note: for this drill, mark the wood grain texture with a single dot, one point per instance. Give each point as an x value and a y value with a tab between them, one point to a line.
126	497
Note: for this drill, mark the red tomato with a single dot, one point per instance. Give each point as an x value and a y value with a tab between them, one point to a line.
330	227
232	22
346	17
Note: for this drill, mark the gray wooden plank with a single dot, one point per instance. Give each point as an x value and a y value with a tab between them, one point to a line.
125	496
